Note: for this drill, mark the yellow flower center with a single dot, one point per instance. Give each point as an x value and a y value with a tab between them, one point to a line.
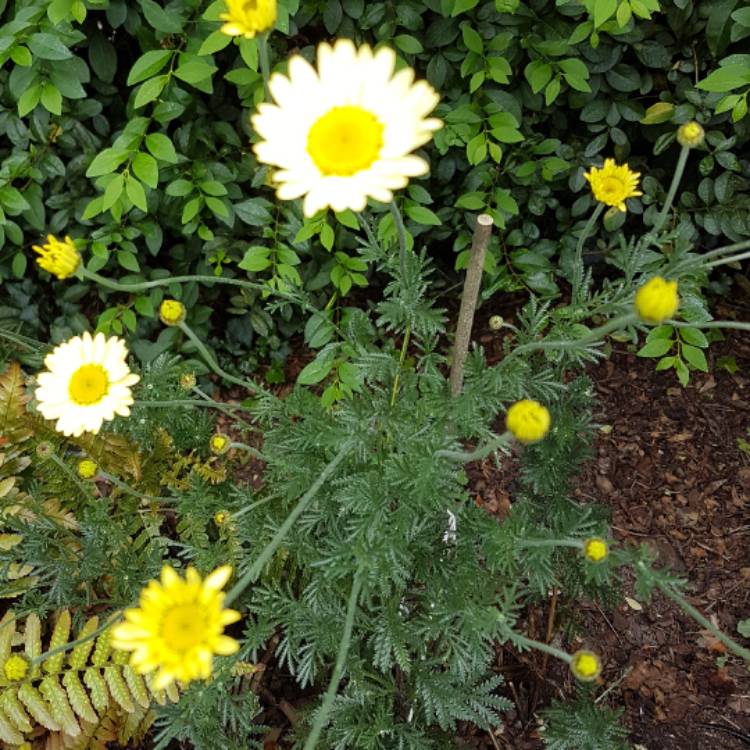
89	385
345	140
613	188
183	627
585	665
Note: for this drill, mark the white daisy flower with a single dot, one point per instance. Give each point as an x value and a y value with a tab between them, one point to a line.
345	132
86	383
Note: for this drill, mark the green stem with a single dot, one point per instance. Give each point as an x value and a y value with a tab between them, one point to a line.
578	270
225	409
477	454
142	286
575	543
522	640
214	365
126	488
594	335
730	259
249	449
699	618
70	646
191	402
255	569
727	249
402	359
734	324
265	66
403	248
85	489
338	669
676	178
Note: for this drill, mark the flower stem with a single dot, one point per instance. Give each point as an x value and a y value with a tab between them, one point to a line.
729	259
576	543
254	452
734	324
594	335
191	402
680	600
126	488
402	244
578	269
522	640
401	360
255	569
338	669
85	639
479	453
214	365
727	249
676	178
265	65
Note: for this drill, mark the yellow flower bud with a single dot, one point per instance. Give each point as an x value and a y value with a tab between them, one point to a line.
87	468
585	665
15	668
496	322
528	421
171	312
221	517
595	549
657	300
690	134
58	257
219	443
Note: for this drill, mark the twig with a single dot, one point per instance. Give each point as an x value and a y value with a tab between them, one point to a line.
473	282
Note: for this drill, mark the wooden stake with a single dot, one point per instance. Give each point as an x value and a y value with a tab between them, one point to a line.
472	284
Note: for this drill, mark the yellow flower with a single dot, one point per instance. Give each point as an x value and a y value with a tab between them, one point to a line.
585	665
219	443
613	184
178	626
87	469
58	257
595	549
528	420
171	312
86	383
345	131
221	517
657	300
496	322
15	668
187	381
248	17
690	134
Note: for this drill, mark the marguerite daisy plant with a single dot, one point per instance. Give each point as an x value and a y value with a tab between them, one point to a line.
178	626
87	382
345	131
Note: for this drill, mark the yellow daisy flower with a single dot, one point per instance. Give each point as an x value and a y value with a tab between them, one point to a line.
58	257
248	17
657	300
87	382
178	626
345	132
585	665
613	184
528	421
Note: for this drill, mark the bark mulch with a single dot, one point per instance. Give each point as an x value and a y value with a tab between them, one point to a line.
669	463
